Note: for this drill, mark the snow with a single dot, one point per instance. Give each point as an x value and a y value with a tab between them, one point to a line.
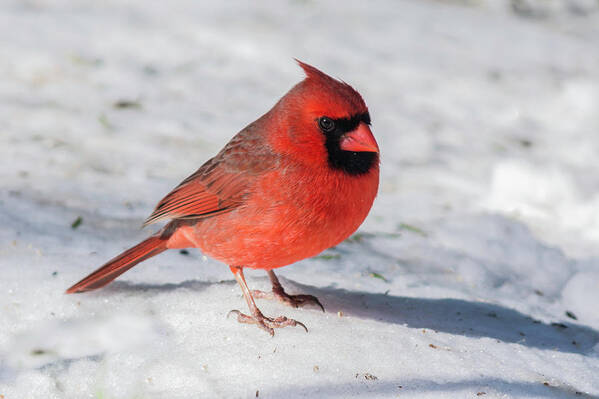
475	275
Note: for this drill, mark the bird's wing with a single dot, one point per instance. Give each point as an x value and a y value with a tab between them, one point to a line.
222	183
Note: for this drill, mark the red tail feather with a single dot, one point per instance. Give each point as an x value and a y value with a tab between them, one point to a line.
120	264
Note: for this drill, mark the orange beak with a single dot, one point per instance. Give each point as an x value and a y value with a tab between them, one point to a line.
359	140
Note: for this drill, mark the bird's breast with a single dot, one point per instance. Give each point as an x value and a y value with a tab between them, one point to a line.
288	216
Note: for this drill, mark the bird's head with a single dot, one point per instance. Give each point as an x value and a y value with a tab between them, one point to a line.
326	121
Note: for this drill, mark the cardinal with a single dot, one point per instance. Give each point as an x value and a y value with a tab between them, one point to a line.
298	180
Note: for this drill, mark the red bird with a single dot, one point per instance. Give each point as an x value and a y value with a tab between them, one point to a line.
295	182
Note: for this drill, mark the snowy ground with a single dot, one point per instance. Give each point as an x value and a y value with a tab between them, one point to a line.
475	275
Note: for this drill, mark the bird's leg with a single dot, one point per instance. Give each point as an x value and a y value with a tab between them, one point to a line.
266	323
279	294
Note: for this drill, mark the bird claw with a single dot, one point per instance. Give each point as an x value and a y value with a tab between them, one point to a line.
295	301
268	324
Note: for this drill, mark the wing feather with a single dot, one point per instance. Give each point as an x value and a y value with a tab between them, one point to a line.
222	183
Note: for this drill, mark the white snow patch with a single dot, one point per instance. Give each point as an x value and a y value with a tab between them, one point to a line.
475	275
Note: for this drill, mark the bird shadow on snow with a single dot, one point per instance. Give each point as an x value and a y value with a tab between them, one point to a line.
459	317
448	315
452	316
125	287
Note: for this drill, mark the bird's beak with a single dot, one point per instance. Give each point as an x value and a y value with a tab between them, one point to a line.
359	140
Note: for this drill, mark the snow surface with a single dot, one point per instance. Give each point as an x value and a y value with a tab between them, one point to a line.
475	275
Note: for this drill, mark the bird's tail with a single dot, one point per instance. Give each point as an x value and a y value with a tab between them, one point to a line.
120	264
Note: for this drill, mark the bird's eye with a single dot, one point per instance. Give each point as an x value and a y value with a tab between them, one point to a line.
327	125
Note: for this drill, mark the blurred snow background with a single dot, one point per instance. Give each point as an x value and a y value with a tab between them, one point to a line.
476	274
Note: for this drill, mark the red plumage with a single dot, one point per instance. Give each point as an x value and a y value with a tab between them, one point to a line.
295	182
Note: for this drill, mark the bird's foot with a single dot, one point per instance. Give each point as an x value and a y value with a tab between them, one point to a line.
266	323
295	301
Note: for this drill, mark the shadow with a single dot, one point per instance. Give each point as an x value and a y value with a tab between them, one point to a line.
123	287
6	373
458	317
448	315
478	388
61	365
